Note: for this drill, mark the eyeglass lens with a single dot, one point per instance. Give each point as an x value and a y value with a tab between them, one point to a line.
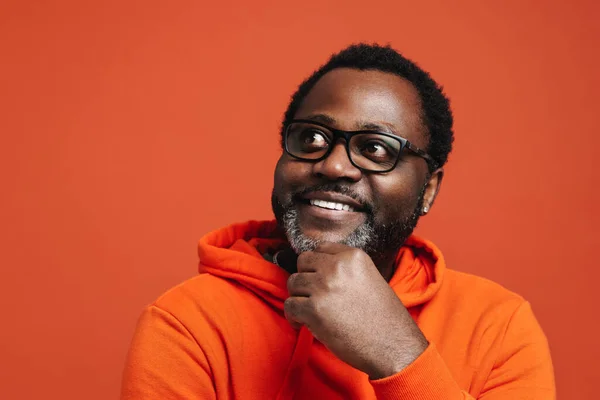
371	151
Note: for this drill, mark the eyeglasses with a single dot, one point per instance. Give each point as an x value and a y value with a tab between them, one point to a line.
367	150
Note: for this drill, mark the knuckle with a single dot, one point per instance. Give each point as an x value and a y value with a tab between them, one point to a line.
303	260
296	281
329	283
315	309
357	255
290	306
304	256
291	282
338	267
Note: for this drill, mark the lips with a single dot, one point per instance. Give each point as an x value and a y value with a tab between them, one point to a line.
331	205
332	201
329	215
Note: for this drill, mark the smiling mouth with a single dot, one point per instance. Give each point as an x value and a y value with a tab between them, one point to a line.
330	205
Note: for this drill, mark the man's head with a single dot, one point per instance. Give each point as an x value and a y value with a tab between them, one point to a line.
362	88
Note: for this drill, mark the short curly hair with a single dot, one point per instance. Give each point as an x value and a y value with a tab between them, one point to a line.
437	116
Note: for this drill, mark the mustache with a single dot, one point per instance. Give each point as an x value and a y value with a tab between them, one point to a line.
345	190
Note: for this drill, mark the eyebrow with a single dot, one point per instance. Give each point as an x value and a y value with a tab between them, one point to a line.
326	119
370	126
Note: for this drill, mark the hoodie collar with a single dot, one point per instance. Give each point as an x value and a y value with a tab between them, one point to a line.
236	252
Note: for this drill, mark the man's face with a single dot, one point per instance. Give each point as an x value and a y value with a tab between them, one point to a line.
386	206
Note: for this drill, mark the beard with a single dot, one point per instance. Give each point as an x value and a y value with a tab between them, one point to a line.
375	239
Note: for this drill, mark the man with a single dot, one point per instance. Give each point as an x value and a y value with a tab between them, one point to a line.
336	299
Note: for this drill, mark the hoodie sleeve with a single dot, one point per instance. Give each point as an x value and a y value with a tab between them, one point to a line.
165	361
523	370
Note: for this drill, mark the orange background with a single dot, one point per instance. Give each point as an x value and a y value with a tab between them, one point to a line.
130	129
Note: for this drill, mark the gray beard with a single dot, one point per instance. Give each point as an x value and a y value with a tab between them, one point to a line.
360	238
377	240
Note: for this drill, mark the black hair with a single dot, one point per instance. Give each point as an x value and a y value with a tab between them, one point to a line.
436	113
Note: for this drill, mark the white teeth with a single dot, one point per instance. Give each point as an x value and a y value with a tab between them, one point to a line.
331	205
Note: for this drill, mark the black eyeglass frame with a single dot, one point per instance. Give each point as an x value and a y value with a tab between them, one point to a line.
347	135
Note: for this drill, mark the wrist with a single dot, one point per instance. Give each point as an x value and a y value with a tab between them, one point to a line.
397	359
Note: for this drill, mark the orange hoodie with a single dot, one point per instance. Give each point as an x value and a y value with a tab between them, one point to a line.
222	334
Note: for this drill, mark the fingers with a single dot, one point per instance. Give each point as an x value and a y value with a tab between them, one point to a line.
332	248
308	261
312	261
299	287
301	283
296	310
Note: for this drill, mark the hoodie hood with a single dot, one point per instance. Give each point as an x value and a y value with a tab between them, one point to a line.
236	253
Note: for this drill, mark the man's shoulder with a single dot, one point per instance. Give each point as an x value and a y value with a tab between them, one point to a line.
480	292
201	292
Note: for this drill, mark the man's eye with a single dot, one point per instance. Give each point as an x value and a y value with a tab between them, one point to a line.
375	149
313	138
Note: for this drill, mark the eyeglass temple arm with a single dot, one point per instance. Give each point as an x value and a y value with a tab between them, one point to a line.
421	154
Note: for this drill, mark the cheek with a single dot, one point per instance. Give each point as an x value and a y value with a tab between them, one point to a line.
277	177
395	198
290	175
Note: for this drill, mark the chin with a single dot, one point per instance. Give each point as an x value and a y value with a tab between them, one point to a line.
327	236
305	232
302	241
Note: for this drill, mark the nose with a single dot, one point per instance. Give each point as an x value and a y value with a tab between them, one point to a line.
337	165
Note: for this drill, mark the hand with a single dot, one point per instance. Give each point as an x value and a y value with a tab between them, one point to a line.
339	294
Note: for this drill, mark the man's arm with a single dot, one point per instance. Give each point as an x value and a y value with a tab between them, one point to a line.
523	368
341	297
165	361
522	371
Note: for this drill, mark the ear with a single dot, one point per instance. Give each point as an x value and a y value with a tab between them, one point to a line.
432	188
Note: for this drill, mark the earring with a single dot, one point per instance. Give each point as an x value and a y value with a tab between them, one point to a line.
425	210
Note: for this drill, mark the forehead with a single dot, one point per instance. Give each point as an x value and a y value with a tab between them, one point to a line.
356	99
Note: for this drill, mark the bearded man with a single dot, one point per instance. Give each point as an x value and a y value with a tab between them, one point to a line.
336	299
